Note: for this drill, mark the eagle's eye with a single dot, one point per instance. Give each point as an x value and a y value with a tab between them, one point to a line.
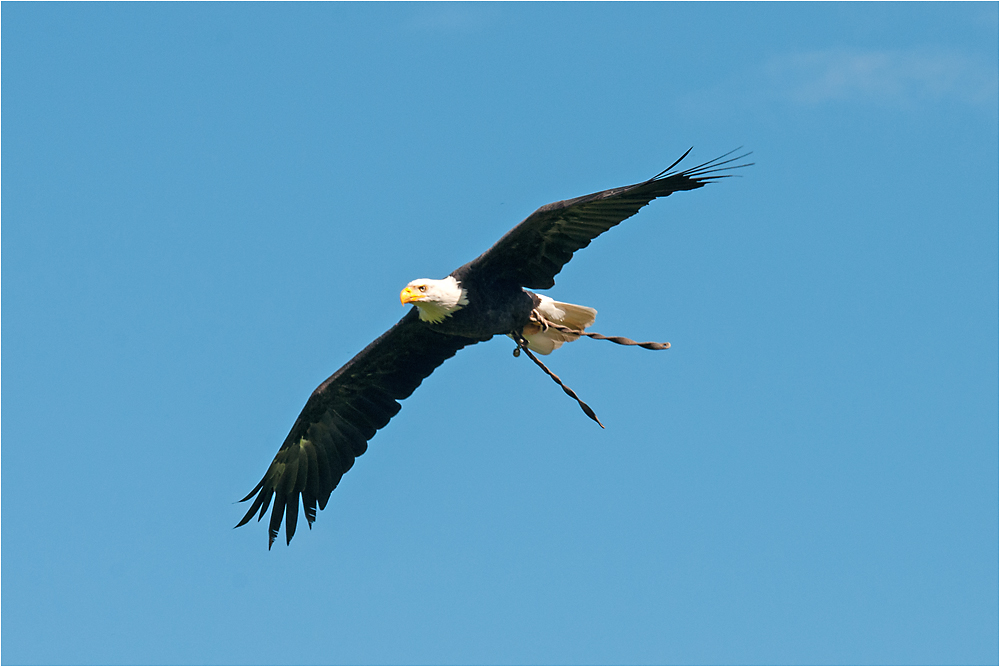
422	288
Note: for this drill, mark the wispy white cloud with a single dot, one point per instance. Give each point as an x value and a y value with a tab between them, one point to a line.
900	78
883	76
450	17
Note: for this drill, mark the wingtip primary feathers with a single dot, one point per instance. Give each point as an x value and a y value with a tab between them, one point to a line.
706	171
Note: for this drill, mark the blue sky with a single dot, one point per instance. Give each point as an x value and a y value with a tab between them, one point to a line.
208	208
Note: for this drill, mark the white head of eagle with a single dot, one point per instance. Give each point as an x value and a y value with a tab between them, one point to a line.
435	299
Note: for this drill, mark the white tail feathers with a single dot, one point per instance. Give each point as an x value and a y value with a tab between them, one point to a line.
543	340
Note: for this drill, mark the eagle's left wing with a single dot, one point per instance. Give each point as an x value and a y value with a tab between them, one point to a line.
532	253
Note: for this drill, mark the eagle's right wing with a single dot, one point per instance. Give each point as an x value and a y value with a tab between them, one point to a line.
341	417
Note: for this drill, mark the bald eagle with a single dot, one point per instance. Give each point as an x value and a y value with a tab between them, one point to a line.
482	299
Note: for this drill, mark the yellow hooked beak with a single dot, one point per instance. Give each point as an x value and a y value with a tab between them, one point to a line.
408	295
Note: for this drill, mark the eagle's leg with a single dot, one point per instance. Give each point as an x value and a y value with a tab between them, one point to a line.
538	319
536	324
522	343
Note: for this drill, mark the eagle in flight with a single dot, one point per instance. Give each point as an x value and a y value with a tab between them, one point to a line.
482	299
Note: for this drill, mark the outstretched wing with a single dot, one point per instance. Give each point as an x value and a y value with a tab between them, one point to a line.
533	253
341	417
